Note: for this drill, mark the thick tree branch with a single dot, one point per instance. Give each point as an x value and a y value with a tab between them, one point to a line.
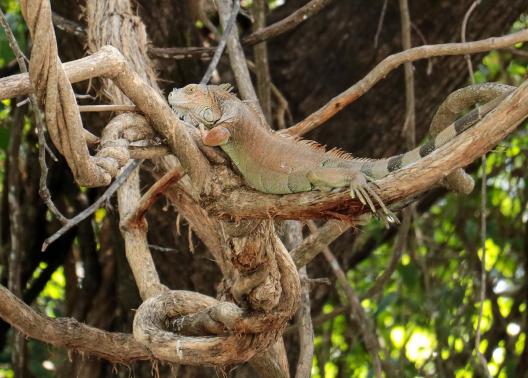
69	333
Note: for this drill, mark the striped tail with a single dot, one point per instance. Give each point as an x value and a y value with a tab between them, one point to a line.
381	168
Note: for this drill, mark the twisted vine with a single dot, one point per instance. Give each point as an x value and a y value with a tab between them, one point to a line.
55	94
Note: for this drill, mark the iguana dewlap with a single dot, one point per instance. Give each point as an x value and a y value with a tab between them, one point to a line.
273	163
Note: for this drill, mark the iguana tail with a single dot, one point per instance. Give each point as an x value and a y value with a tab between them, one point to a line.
381	168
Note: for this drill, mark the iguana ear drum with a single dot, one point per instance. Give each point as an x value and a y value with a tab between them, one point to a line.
207	115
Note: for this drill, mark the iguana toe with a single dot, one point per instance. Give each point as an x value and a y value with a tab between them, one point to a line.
368	196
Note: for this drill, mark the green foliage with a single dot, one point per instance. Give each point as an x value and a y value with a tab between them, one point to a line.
5	126
50	299
14	18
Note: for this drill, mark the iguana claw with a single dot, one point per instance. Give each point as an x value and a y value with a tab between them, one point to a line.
368	196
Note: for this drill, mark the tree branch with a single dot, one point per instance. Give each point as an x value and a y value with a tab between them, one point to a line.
237	57
317	241
108	62
306	331
391	62
137	218
69	333
222	43
260	52
269	32
127	171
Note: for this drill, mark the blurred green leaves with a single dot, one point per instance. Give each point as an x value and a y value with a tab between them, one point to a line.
11	10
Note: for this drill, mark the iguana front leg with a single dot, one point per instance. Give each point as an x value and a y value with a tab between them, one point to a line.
217	136
326	179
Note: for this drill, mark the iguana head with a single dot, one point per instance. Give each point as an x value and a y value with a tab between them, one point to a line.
199	103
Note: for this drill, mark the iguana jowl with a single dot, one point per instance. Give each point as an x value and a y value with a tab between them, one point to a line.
273	163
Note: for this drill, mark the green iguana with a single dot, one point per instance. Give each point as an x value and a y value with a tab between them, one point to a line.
278	164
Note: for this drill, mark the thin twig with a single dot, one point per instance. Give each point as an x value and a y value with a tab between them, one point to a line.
313	282
13	200
85	97
283	112
380	23
222	43
127	170
482	295
397	251
463	36
68	26
19	55
162	249
39	118
16	230
430	62
518	52
107	108
237	58
23	102
292	21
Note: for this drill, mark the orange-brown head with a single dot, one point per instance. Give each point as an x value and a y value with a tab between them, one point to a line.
199	103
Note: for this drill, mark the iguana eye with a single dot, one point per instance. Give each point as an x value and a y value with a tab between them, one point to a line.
190	89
